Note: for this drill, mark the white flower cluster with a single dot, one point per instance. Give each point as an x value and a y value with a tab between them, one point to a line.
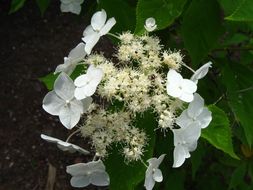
144	77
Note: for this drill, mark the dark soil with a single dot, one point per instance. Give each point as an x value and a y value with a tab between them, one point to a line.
31	47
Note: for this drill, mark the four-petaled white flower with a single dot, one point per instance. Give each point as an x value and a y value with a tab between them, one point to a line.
84	174
185	141
153	173
150	24
86	84
195	112
61	102
75	56
64	146
73	6
179	87
201	72
98	28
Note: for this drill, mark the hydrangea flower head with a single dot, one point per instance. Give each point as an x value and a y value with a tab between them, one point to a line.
84	174
195	112
70	62
64	146
61	102
153	173
98	28
73	6
179	87
86	84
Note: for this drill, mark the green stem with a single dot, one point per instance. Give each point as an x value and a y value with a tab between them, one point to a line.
69	137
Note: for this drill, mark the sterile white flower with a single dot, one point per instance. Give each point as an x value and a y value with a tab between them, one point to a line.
86	84
185	141
73	59
195	112
64	146
179	87
84	174
150	24
153	173
98	28
201	72
61	102
73	6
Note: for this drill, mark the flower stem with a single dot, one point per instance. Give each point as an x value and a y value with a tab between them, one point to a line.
69	137
144	163
219	99
245	89
188	68
113	35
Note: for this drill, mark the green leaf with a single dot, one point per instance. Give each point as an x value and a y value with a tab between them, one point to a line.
127	177
243	12
16	5
218	133
238	80
201	28
122	12
49	79
164	12
237	176
175	180
229	5
43	5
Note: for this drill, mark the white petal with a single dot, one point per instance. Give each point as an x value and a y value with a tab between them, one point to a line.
186	97
201	72
86	103
52	103
98	20
77	169
174	81
65	8
75	8
85	91
88	31
68	117
77	106
158	176
149	182
82	80
155	162
49	139
187	135
205	118
174	76
189	86
64	87
183	120
67	68
100	178
91	41
192	132
79	181
196	106
65	146
66	1
95	166
108	26
150	24
179	156
78	53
